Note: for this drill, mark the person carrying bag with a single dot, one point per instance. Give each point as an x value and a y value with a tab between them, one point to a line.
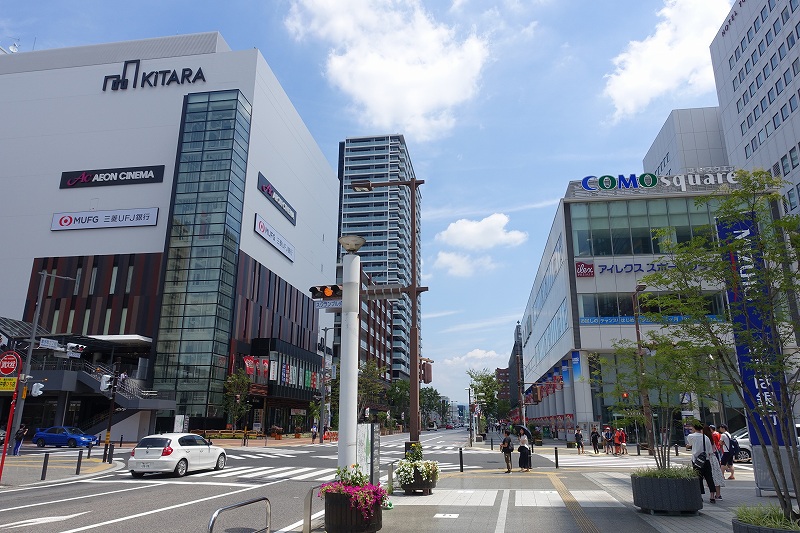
506	447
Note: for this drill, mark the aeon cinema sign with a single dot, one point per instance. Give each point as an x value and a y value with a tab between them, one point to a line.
584	270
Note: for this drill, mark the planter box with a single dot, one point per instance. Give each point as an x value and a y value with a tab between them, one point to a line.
419	484
741	527
571	444
666	495
538	442
341	517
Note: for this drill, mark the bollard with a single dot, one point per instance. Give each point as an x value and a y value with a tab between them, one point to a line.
120	440
111	454
390	479
105	453
638	449
80	458
89	451
44	465
676	450
556	449
461	458
492	443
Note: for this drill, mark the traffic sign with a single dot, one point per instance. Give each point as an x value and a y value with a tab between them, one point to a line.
8	363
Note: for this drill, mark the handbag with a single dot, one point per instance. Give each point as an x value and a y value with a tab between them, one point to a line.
700	461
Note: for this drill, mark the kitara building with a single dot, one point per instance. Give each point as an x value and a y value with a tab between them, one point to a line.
601	243
175	182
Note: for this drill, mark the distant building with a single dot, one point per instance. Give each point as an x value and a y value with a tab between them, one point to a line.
501	374
383	217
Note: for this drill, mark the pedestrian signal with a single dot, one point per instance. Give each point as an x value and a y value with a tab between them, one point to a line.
324	292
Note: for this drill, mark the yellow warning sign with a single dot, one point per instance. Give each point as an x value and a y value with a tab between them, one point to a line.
8	384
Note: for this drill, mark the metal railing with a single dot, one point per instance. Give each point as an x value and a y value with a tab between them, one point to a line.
307	508
268	507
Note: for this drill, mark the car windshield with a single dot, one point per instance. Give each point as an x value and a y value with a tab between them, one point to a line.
153	442
74	430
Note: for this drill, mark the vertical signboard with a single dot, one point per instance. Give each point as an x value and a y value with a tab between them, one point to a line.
749	325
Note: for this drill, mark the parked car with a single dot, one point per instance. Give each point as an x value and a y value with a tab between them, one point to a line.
449	426
745	448
432	426
178	453
63	436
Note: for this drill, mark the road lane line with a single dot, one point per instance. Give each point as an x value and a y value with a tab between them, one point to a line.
501	517
72	498
169	508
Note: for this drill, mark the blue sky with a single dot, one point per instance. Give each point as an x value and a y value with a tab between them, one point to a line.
501	103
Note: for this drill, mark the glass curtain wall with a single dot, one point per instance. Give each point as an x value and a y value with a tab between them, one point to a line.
202	250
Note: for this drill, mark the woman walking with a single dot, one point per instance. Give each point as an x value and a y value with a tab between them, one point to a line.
702	448
524	452
716	469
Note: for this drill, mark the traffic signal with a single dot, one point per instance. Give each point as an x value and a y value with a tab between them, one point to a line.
37	389
75	350
625	395
105	382
426	372
326	292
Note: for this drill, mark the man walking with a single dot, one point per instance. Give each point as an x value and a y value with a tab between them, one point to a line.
19	436
726	463
313	434
507	448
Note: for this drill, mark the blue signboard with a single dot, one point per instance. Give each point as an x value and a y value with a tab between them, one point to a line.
761	390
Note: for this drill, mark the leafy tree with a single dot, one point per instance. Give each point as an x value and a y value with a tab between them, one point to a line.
485	388
430	402
761	271
314	408
371	387
399	398
503	408
235	398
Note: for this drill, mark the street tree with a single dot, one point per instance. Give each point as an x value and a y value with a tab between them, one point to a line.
485	386
398	396
430	402
751	256
235	397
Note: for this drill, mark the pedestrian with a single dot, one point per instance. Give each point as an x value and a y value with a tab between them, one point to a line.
19	436
313	434
579	441
623	441
595	438
608	438
701	445
524	452
617	444
715	440
716	469
122	378
726	463
506	447
324	434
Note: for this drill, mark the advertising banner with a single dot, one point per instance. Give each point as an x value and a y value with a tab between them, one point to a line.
747	318
118	218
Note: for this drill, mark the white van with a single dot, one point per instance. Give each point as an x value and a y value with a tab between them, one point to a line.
432	426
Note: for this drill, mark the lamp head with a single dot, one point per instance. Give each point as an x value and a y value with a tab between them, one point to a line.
352	243
640	287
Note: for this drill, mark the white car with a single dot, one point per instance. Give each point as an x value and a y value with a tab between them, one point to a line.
175	452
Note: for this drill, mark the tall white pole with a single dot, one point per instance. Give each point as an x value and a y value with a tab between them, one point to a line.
348	380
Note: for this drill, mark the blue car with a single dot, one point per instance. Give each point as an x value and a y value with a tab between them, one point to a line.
63	436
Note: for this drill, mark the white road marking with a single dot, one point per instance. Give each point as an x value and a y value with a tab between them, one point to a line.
154	511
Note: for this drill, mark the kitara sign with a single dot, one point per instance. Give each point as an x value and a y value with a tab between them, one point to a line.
649	181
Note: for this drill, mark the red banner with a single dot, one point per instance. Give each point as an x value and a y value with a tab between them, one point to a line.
249	364
264	367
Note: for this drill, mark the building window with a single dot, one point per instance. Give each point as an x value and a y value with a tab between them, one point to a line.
747	67
779	85
739	105
790	40
753	89
767	70
744	127
731	62
793	102
792	196
762	136
771	95
774	61
759	80
776	120
782	50
747	151
769	128
756	112
785	165
776	26
749	120
768	37
796	66
743	44
764	104
793	4
787	76
785	111
764	14
757	23
754	143
745	97
785	15
793	157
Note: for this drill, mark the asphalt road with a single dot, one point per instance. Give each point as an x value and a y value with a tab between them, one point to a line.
116	502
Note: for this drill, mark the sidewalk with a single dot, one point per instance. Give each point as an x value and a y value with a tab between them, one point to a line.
584	499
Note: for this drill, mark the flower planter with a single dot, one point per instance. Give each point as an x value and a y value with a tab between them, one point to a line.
276	436
670	495
741	527
419	484
297	435
341	517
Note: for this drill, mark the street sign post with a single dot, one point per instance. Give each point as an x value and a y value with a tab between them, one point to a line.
10	362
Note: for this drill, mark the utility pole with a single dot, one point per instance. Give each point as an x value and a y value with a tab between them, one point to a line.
111	407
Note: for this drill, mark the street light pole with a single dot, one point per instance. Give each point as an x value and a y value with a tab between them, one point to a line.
34	326
469	413
413	290
323	417
644	394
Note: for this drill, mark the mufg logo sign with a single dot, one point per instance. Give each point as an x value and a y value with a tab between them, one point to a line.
153	78
650	181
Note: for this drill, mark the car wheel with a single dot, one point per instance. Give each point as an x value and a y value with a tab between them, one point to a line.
181	468
137	474
72	443
743	456
220	462
40	443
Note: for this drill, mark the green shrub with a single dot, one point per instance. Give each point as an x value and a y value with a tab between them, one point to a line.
675	472
765	516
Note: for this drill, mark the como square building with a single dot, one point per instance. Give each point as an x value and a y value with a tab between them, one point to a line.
600	245
168	206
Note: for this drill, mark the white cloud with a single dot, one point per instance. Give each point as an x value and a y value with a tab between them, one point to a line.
438	213
506	321
426	316
462	265
674	58
481	234
404	70
477	358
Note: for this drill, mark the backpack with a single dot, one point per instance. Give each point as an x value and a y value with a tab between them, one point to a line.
734	446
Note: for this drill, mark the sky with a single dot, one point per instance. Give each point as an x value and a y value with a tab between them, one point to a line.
501	102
